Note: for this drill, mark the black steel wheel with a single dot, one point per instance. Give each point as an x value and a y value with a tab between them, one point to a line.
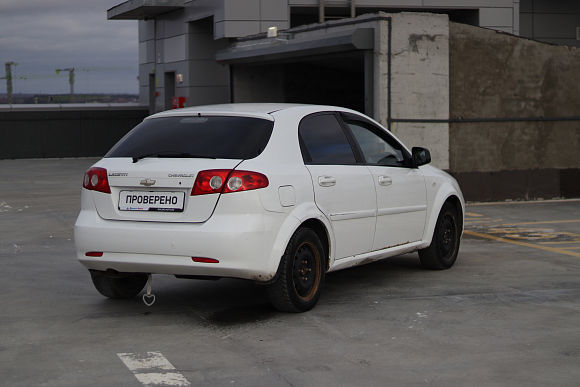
301	278
124	287
442	252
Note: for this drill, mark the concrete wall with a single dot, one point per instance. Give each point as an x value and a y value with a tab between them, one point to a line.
494	75
419	81
61	132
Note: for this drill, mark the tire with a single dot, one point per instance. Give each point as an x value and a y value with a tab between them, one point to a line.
301	278
442	252
125	287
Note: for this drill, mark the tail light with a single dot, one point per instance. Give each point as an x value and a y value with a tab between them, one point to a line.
96	180
226	181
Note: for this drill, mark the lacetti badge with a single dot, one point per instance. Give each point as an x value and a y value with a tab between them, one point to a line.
147	182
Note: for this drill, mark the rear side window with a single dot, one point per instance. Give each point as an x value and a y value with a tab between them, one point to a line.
325	141
210	136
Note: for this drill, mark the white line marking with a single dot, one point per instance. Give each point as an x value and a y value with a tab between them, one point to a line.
153	369
168	379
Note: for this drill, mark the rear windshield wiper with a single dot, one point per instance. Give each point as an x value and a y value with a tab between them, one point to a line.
175	154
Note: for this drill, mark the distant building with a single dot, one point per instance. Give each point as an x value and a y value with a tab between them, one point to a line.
179	39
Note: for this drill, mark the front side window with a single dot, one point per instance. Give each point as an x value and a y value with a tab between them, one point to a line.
219	137
325	141
377	147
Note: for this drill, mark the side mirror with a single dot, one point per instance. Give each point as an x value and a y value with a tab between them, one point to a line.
421	156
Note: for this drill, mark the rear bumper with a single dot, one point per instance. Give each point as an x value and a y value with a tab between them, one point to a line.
244	244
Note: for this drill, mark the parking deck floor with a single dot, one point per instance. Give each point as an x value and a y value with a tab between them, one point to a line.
507	313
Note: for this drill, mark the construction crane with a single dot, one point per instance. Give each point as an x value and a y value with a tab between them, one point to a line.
8	66
9	77
71	73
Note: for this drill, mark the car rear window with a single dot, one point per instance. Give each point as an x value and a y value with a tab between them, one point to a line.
210	136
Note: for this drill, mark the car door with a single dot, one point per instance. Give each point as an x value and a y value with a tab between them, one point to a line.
343	187
400	187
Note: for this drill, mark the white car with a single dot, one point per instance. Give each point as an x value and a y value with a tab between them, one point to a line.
279	194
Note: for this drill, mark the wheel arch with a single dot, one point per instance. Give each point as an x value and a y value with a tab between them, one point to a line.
322	233
446	194
456	202
304	215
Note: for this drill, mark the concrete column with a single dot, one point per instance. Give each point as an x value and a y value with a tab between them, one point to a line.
419	81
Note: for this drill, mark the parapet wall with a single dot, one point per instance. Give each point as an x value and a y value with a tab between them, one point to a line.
33	132
521	99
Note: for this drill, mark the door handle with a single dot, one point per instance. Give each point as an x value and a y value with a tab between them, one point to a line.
385	180
326	181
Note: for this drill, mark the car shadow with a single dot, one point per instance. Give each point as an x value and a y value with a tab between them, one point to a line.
232	302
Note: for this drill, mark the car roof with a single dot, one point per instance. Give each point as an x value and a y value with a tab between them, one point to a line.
258	110
261	110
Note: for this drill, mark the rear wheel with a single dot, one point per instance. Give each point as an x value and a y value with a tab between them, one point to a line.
442	252
299	284
124	287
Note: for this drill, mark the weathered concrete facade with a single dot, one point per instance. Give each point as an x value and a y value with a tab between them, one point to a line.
534	88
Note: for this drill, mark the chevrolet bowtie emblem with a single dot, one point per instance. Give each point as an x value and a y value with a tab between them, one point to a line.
147	182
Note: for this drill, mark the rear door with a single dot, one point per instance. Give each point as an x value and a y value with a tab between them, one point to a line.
343	188
400	189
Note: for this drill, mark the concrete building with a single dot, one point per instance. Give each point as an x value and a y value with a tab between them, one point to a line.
179	39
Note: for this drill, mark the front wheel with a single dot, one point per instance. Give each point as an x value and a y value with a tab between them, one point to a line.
124	287
442	252
299	283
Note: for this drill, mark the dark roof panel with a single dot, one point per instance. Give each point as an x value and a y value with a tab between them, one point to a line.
273	50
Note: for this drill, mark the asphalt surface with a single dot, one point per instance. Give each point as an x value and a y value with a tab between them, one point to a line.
507	313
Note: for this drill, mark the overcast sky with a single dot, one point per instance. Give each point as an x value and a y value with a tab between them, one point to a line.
43	35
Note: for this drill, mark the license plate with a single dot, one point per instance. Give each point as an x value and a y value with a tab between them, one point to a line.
151	201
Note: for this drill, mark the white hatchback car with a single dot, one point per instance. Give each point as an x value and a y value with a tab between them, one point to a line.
279	194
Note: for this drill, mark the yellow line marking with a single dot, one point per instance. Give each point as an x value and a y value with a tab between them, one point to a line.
510	230
559	243
551	249
571	248
472	214
544	222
